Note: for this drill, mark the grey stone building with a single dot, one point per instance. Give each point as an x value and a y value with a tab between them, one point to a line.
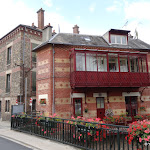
17	62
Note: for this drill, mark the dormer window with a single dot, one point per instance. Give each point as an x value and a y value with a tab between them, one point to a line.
118	39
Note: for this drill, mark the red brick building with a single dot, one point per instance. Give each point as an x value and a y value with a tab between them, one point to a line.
86	74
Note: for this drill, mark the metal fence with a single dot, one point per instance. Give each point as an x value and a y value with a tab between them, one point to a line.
85	135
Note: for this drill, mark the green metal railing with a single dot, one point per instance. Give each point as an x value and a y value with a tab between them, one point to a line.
85	135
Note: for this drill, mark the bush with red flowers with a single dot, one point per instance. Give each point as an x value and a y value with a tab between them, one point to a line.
140	131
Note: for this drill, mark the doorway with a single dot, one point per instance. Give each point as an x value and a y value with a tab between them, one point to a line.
131	106
100	104
34	105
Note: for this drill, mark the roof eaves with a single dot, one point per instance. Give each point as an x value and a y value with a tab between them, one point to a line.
19	26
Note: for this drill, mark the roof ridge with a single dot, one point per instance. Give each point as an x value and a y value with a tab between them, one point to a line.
80	34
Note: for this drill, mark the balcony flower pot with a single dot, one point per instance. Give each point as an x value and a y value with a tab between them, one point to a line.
86	110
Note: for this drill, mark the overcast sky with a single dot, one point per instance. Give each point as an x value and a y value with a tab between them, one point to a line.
92	16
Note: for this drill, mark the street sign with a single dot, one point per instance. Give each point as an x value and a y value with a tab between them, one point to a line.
16	101
30	101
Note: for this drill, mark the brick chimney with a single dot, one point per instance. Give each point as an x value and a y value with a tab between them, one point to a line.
76	29
40	13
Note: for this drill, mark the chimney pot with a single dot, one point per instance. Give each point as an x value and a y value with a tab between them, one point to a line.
76	29
33	24
40	13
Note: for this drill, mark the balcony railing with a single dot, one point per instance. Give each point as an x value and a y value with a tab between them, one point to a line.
109	79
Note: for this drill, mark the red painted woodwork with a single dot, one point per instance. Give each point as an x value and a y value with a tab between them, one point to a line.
100	107
109	79
131	106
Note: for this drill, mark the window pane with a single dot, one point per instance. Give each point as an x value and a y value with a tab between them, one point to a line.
80	62
91	62
100	102
8	83
102	62
112	39
6	106
78	107
118	39
124	40
113	63
9	55
33	81
134	64
123	63
142	64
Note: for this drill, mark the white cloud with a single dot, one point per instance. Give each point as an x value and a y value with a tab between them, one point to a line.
111	8
117	4
56	19
48	3
92	7
78	17
15	13
138	15
138	10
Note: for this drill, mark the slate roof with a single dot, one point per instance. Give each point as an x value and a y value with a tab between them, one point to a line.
92	40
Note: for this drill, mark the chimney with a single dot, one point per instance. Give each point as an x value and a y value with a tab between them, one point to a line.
76	29
47	33
40	13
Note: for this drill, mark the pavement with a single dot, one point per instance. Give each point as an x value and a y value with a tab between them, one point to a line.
31	141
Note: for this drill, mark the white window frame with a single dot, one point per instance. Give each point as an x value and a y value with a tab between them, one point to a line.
120	38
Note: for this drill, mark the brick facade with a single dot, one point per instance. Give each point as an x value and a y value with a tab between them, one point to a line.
63	94
15	40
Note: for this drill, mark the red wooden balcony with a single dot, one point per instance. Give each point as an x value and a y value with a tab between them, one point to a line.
109	79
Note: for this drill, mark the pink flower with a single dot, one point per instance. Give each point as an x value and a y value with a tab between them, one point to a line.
146	139
79	117
72	117
42	129
54	115
147	131
140	140
44	132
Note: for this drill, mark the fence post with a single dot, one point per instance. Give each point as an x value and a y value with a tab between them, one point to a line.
63	131
118	138
86	146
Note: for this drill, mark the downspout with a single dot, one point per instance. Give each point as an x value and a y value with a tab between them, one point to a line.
24	99
53	105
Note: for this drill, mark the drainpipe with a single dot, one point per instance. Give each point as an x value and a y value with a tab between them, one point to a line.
53	106
23	68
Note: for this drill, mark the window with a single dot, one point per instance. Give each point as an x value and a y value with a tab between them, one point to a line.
100	102
33	81
113	63
7	105
91	62
78	107
118	39
134	64
33	53
123	63
8	83
102	62
142	64
8	55
80	62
